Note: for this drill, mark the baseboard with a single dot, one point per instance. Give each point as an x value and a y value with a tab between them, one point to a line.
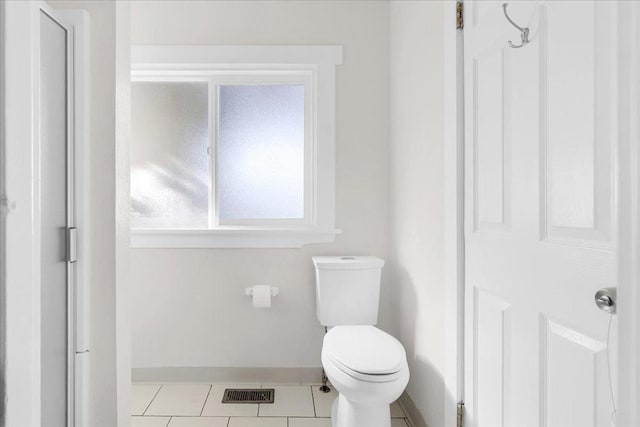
291	376
411	411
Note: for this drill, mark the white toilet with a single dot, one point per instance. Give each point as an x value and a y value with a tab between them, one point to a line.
367	366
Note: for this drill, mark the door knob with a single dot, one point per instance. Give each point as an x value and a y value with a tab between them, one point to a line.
606	300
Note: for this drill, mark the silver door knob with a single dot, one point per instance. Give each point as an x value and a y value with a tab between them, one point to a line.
606	300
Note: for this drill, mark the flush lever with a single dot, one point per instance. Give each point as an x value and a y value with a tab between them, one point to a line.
606	300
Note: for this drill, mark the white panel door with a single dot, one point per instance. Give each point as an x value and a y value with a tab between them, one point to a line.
539	220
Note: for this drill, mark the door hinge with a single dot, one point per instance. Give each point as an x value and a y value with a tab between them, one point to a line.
72	244
460	415
459	15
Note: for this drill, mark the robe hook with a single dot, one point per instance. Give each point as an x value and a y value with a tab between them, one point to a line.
524	32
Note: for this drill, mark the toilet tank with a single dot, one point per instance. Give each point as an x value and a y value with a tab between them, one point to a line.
347	289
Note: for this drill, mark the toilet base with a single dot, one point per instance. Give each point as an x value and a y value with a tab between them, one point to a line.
353	414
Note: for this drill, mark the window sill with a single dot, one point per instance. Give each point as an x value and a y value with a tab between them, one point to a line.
231	238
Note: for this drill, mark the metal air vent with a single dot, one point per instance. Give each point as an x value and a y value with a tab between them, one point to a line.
248	395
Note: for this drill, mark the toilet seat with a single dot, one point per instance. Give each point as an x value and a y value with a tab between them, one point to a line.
365	353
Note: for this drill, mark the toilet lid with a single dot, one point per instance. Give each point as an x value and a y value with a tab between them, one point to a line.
364	349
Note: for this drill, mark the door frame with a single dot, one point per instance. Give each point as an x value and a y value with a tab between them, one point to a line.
21	139
628	200
78	27
627	181
453	139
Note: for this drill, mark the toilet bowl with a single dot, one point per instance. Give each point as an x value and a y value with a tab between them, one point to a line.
368	368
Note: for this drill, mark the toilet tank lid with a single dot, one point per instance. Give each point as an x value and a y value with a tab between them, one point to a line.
347	262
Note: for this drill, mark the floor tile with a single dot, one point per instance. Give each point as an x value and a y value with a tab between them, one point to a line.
215	408
309	422
290	401
396	410
257	422
323	401
399	422
141	396
179	399
149	421
199	422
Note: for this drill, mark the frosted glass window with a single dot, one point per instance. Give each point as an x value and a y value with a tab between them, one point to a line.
169	161
260	167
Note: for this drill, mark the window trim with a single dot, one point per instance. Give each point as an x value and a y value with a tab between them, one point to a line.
232	238
314	66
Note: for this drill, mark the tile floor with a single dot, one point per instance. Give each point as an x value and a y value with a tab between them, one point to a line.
198	405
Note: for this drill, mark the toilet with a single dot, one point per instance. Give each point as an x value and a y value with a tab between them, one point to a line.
367	366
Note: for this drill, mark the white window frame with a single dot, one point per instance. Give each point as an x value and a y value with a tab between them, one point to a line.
311	66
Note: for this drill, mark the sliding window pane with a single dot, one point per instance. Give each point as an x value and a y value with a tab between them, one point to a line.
260	164
169	161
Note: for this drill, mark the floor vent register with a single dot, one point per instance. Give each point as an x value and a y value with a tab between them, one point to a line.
248	395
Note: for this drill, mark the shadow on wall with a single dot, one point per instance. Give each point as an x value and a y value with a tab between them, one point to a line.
426	385
386	309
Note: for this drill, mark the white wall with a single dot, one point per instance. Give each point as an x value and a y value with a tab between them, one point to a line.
417	182
189	308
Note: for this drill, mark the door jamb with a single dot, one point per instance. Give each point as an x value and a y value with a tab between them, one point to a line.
78	27
628	202
453	109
